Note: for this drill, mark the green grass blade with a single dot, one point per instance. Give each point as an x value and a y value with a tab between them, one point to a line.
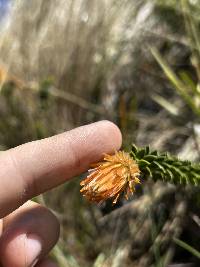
187	247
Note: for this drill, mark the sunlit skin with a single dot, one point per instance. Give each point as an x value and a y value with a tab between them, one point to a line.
118	173
29	231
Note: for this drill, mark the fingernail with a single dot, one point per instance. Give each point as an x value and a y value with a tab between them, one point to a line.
33	248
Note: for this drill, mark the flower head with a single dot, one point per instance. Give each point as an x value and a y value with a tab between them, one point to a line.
108	179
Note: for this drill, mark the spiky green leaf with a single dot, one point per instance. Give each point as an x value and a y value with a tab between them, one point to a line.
162	166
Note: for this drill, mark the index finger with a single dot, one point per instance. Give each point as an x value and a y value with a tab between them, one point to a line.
33	168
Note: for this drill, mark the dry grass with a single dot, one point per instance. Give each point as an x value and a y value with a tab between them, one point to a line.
77	61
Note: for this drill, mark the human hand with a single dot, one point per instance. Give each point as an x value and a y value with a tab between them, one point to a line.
28	231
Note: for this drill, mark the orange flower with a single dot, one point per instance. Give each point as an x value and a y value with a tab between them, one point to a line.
108	179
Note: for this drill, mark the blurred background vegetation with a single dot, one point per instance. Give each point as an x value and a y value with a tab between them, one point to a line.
137	63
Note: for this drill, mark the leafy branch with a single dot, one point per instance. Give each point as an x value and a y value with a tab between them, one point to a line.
162	166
